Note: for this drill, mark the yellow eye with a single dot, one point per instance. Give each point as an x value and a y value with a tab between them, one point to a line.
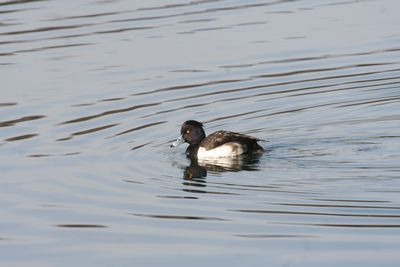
187	131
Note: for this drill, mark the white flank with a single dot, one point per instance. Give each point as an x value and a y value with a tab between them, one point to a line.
224	151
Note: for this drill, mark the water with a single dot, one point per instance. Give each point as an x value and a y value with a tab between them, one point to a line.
93	93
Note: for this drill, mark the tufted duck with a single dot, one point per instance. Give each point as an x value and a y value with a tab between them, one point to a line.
217	145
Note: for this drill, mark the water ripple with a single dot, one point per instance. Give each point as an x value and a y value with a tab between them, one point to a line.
319	213
88	131
95	92
109	112
8	104
19	120
45	29
139	128
179	217
20	137
83	226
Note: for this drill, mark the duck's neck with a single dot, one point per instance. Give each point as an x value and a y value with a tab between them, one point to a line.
192	150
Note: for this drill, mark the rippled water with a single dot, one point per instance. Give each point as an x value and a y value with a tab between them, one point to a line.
93	92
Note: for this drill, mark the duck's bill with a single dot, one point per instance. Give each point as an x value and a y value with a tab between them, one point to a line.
178	141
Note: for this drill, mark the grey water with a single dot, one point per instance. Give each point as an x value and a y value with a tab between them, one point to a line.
93	92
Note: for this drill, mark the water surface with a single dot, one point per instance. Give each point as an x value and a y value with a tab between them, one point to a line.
93	93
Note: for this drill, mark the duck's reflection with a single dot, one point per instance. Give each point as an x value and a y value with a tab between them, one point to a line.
199	168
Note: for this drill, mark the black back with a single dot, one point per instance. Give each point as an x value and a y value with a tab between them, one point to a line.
222	137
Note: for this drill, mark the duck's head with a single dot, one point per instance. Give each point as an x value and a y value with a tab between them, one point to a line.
192	132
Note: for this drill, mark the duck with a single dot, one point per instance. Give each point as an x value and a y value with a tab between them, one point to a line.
220	144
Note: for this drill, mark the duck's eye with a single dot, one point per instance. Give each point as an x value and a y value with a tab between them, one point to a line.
187	131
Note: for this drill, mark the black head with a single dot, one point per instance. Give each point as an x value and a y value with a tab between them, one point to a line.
192	132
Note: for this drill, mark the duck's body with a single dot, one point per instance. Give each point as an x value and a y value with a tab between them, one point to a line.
220	144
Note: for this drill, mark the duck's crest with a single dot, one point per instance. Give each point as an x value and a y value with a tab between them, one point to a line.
194	123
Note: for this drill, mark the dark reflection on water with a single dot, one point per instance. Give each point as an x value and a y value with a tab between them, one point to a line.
8	104
81	226
20	137
177	217
23	119
318	213
356	225
194	170
275	236
343	206
92	92
199	168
